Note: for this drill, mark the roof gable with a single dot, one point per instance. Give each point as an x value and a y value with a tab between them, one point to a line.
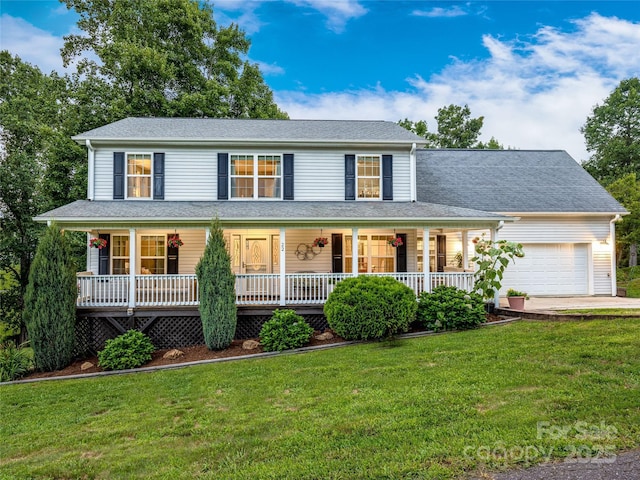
510	181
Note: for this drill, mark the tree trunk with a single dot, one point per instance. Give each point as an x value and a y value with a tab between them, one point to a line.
633	255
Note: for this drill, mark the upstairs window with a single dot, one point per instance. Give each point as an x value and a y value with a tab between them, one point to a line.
138	175
368	176
256	176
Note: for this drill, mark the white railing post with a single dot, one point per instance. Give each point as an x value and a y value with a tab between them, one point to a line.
283	268
132	268
426	260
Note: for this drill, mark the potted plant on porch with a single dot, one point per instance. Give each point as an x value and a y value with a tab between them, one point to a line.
516	299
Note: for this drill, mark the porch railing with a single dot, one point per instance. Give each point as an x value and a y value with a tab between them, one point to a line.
264	289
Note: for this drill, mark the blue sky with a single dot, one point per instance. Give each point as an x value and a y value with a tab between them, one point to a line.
534	70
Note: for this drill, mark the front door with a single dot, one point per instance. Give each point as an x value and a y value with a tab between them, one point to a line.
256	255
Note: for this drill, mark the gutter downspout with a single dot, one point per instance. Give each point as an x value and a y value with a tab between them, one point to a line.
612	235
412	172
90	170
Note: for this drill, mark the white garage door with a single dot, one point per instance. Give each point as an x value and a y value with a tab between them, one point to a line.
550	269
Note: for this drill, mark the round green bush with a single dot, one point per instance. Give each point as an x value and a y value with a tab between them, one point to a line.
285	330
370	307
449	308
129	350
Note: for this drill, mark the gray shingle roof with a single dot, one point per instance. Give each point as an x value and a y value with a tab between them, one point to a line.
264	212
510	181
216	129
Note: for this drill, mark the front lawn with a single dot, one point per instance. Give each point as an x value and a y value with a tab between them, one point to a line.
432	407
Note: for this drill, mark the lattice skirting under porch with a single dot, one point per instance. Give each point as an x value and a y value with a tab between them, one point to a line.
170	329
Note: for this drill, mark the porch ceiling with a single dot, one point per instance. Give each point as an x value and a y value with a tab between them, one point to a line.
84	214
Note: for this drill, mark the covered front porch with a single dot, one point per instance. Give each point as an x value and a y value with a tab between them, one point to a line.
282	253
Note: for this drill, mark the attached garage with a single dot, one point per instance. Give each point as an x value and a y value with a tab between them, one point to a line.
550	269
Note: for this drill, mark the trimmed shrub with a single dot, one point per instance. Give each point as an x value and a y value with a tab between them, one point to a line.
370	307
217	288
449	308
285	330
129	350
50	302
15	362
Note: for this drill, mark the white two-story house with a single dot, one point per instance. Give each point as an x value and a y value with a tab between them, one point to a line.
284	188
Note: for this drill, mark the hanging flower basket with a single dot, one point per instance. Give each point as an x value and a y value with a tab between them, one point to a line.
320	242
395	242
174	242
98	243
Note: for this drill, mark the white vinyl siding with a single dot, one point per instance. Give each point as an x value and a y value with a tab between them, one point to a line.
191	172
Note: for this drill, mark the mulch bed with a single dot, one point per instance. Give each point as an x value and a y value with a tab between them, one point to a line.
194	354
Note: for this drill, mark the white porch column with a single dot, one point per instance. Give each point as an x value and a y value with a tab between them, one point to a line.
426	260
283	268
612	241
354	251
465	250
494	238
132	268
207	234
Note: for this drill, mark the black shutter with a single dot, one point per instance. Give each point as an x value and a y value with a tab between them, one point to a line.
287	170
349	177
387	178
336	252
401	254
158	176
172	256
441	252
223	176
118	176
103	255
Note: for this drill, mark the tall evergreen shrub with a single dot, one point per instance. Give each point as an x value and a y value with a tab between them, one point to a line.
216	285
50	302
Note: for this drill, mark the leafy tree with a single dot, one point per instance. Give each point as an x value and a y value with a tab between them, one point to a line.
166	58
50	302
216	284
612	134
455	129
626	190
30	112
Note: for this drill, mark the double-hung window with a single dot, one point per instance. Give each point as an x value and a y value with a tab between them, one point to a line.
369	178
152	254
138	175
120	254
375	255
256	176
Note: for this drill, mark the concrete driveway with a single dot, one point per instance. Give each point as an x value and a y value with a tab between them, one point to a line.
542	304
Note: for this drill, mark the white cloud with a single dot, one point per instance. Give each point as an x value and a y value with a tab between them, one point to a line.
438	12
31	44
338	12
270	69
534	93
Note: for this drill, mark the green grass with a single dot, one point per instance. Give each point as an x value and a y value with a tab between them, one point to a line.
629	278
433	407
603	311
